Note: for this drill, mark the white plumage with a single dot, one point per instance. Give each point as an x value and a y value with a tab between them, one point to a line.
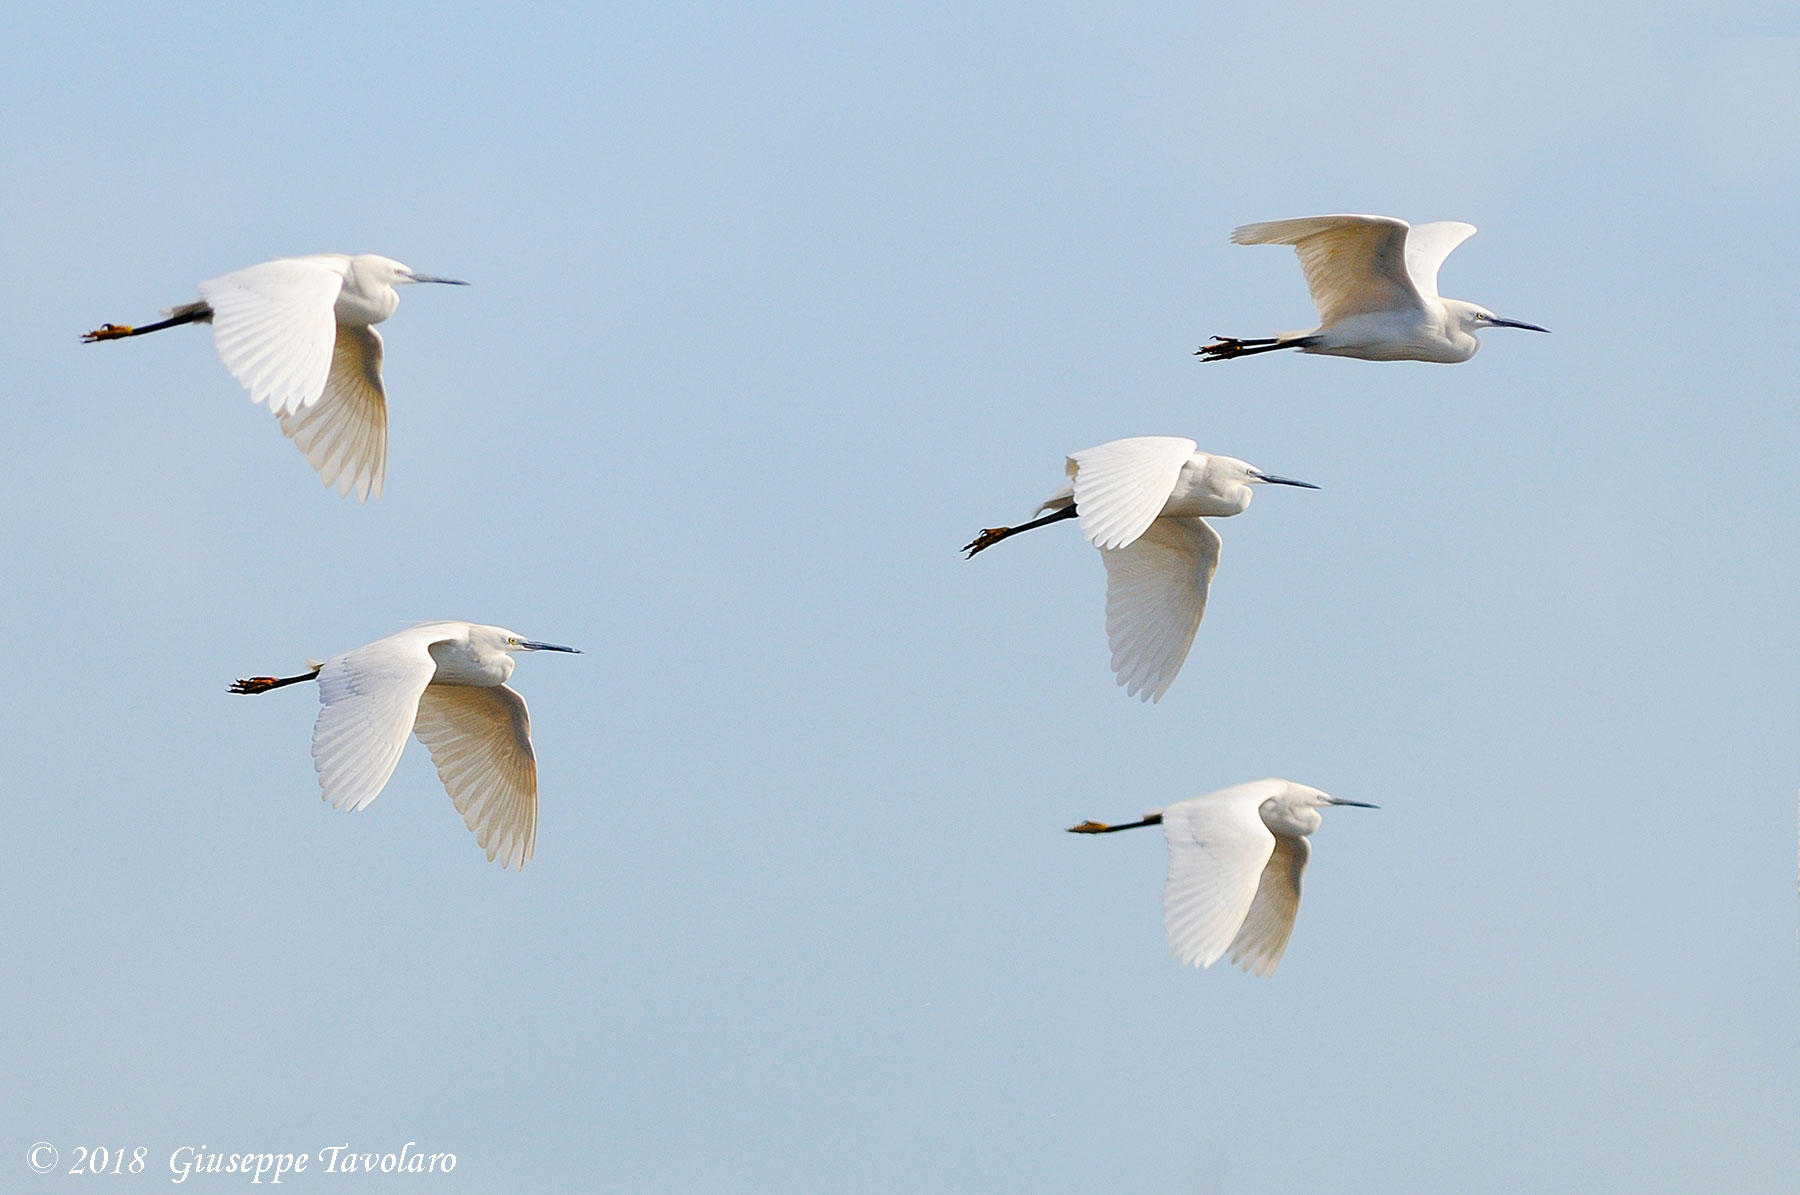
1374	282
1141	501
446	683
298	333
1235	861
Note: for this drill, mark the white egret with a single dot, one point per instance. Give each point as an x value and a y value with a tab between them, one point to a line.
1141	501
446	683
1235	861
1374	281
298	333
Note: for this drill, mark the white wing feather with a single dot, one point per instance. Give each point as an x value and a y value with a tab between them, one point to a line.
1218	847
274	327
370	698
1427	245
1156	591
344	433
1259	946
480	740
1354	265
1121	487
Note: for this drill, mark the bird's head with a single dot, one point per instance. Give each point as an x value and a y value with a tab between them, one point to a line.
1320	800
1298	807
1472	318
1230	476
376	270
510	641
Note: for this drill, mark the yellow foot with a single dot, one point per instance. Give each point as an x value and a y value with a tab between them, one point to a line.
986	539
1220	348
107	332
1089	828
254	684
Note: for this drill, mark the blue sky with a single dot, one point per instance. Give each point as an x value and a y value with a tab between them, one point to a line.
772	309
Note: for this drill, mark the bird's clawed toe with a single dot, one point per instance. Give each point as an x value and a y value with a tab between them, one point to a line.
1220	348
1089	828
986	539
254	684
106	332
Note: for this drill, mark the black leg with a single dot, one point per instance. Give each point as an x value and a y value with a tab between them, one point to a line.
198	313
262	684
994	535
1153	819
1223	348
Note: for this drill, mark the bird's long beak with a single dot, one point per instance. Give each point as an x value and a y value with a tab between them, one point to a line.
435	278
1274	480
1513	323
1358	804
533	645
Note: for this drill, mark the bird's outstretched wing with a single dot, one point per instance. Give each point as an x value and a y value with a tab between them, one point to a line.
274	327
370	698
1218	849
1354	264
480	740
1156	591
344	434
1427	245
1259	945
1121	487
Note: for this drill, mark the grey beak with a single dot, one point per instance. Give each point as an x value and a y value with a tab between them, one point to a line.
1358	804
1274	480
533	645
435	278
1513	323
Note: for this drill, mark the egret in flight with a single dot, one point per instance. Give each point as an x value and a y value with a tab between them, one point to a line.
446	683
299	334
1374	281
1235	861
1142	502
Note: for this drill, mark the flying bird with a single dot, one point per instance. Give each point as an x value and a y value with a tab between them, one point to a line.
1143	502
446	683
299	334
1374	281
1235	861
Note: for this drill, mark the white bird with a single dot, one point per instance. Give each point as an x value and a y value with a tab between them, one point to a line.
1235	861
298	333
446	683
1374	281
1141	502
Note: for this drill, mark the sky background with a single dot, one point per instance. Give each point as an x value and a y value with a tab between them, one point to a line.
772	309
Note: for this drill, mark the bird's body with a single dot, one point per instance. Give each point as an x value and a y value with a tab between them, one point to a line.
1144	502
446	683
298	333
1374	282
1235	861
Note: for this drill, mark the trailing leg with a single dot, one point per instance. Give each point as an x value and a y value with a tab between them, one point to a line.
1223	348
192	313
994	535
262	684
1153	819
